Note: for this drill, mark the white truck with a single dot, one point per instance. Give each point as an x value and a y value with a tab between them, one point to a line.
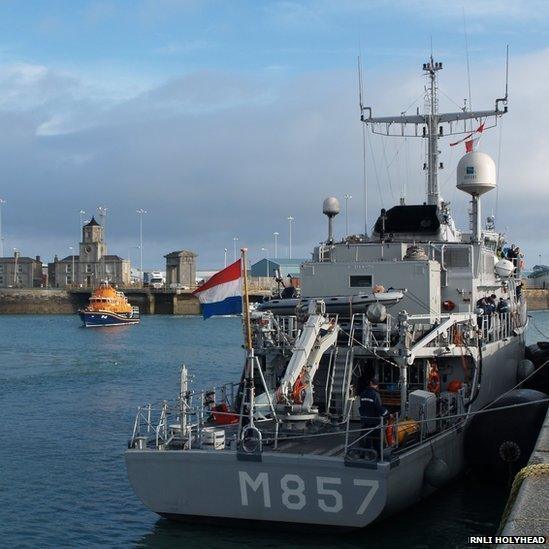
157	280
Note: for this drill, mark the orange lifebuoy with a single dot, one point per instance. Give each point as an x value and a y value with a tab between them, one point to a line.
390	433
448	305
454	386
434	380
298	392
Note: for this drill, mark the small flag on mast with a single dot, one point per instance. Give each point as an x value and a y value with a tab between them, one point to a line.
222	293
469	140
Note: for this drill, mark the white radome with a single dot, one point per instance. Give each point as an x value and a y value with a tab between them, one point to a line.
476	173
330	206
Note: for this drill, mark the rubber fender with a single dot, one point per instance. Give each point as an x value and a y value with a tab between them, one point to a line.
525	368
539	355
437	473
498	440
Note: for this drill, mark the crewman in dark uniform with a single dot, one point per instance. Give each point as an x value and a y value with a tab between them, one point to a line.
371	411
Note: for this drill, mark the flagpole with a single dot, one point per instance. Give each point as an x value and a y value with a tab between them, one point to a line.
246	302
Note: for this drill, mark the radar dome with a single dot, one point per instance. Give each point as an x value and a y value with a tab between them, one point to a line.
476	173
330	206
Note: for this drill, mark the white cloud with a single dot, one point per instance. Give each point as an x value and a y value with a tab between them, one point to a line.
217	154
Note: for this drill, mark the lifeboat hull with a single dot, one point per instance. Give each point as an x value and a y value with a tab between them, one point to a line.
94	319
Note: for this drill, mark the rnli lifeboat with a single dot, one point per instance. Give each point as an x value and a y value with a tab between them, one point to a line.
108	307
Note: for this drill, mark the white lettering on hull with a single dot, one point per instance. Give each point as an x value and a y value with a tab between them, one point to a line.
293	492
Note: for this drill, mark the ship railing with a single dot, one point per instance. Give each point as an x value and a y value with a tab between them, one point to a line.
496	327
285	330
324	253
369	335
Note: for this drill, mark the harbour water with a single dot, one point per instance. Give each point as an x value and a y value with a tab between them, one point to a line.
68	399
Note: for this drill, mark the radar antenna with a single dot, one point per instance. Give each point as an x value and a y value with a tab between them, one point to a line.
432	125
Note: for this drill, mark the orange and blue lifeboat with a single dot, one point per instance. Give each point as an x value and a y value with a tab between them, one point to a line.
108	307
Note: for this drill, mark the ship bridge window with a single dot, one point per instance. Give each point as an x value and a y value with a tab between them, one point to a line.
360	281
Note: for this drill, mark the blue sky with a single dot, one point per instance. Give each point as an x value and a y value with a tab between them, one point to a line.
223	118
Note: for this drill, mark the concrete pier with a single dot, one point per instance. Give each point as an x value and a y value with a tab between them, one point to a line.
529	514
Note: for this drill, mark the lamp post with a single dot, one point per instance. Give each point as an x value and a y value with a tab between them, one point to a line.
347	198
235	240
82	214
226	257
140	213
2	202
266	253
72	271
15	273
290	219
275	234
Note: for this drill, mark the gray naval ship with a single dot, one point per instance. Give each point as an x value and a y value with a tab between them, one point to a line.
286	443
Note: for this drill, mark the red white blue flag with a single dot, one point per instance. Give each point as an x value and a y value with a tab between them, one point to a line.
222	293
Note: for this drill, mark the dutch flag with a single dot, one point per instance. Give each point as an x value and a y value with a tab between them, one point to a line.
222	293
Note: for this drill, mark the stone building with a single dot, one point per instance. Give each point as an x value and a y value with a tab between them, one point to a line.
20	272
181	269
92	265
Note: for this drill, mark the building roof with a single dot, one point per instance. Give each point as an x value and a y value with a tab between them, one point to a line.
20	259
180	253
92	223
282	262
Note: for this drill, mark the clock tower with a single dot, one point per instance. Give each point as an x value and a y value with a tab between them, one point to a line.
92	247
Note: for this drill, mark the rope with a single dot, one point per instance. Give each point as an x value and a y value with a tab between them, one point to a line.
535	470
536	327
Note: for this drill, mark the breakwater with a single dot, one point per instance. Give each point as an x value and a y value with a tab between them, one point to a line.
55	301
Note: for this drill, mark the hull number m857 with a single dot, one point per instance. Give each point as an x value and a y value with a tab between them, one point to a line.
294	494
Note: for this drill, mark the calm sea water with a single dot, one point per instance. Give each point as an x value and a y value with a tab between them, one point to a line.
68	397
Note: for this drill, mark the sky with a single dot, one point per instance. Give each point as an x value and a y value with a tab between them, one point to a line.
221	119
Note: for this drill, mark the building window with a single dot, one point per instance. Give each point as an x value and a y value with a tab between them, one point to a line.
1	279
108	268
88	268
69	279
1	268
360	281
19	268
68	268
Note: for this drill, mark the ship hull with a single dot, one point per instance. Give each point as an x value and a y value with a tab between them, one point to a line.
222	486
104	319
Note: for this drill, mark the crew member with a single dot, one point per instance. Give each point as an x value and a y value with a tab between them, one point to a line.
371	411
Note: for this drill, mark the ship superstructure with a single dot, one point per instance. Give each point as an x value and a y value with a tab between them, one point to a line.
434	313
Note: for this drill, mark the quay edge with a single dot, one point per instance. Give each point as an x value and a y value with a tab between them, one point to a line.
529	515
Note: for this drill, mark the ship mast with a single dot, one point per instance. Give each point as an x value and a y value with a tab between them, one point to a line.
431	68
432	125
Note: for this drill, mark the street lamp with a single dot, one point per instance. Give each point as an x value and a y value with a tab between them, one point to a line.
226	256
290	219
82	214
235	240
347	198
275	234
140	213
2	202
15	273
72	272
266	261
